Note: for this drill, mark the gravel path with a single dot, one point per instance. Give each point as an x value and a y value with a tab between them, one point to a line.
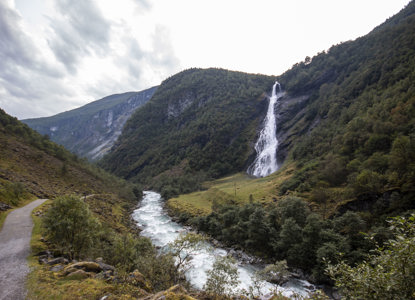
14	249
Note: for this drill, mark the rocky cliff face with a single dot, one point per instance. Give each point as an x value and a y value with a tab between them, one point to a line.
91	130
289	112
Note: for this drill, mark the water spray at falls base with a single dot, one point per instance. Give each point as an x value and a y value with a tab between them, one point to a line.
266	147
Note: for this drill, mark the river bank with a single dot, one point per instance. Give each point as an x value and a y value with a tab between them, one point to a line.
156	224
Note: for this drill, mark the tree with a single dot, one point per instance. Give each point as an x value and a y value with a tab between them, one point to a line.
290	236
387	273
222	278
126	249
293	207
258	231
70	226
183	248
277	273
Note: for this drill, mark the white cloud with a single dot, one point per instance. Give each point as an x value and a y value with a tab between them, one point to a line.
59	54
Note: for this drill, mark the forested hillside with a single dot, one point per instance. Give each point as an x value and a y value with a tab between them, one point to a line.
359	124
91	130
199	124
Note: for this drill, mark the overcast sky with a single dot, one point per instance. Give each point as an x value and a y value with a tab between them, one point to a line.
56	55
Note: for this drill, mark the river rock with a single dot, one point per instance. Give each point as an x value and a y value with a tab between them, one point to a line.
243	257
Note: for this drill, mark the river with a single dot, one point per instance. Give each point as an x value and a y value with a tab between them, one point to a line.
157	225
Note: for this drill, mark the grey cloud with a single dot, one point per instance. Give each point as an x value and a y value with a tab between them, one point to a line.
163	52
15	49
141	66
145	65
80	30
133	59
25	76
19	56
142	4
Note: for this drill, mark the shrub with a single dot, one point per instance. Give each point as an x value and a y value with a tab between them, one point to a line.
71	227
388	273
222	278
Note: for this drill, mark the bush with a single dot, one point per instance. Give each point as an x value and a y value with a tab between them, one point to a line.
388	273
126	249
12	192
71	227
222	278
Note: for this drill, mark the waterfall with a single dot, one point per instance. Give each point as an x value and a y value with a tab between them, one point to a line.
266	147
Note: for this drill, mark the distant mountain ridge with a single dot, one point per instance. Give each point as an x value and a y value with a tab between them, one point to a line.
91	130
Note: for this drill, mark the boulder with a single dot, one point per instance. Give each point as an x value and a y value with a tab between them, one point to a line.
78	275
104	266
68	270
106	275
88	266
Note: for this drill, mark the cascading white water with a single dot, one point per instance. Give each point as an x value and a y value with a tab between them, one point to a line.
266	147
161	229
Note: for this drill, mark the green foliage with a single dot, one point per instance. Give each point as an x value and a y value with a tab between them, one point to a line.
12	192
26	156
159	269
294	208
387	273
14	127
275	272
70	226
359	119
222	279
183	248
125	250
289	231
199	124
72	229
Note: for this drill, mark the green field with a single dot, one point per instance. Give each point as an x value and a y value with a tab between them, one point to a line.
239	188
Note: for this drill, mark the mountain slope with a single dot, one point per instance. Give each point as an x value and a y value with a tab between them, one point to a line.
358	129
199	123
350	131
91	130
33	166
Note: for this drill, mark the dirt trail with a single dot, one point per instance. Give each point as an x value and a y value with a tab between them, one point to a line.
14	249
